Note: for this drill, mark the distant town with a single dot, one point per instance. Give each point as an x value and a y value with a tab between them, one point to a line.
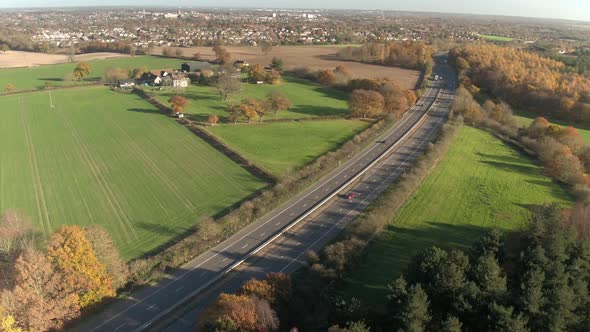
141	30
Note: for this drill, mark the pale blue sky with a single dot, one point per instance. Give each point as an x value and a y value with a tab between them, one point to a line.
568	9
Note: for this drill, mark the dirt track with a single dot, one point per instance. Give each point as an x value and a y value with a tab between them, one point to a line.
315	57
15	59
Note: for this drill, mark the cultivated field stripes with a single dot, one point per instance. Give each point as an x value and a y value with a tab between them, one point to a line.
37	183
126	225
150	162
184	141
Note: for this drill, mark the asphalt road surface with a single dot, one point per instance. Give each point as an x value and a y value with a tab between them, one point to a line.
280	240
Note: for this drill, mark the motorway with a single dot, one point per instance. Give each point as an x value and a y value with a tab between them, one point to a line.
280	240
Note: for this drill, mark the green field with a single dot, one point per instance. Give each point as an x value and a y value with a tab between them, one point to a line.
308	99
37	77
282	146
480	184
496	38
109	158
524	120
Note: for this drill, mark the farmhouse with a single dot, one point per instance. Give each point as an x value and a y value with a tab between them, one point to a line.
180	80
195	66
150	79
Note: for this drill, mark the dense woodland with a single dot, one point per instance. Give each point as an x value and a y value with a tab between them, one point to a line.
526	80
408	54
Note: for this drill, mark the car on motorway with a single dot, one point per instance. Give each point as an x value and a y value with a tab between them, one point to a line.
350	196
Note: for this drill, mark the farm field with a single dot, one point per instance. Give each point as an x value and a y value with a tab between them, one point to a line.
314	57
109	158
480	184
496	38
524	119
37	77
308	99
15	59
281	146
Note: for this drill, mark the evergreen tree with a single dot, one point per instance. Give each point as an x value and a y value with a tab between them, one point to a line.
451	324
415	313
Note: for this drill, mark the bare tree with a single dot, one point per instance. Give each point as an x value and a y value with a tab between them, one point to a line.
227	85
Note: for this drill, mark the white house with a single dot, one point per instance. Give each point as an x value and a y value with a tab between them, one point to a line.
181	82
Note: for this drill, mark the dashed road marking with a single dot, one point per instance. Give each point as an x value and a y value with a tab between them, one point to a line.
179	288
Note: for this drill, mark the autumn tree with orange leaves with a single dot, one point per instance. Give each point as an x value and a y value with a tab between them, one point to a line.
213	119
365	103
222	56
82	272
43	300
178	103
252	308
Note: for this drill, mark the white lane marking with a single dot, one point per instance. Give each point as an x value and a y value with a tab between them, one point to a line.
278	223
179	288
223	260
202	274
120	326
151	307
353	209
245	245
262	234
159	289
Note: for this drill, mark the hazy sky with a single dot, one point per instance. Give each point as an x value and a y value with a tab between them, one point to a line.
569	9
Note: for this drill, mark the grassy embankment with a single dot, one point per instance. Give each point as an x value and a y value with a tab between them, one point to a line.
480	184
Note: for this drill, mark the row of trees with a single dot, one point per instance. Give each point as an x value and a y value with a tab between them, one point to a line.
115	74
250	108
407	54
44	286
369	97
116	47
526	79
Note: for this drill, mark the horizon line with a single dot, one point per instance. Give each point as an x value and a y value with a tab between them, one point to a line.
288	8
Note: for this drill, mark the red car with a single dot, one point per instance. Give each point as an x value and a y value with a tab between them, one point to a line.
350	196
